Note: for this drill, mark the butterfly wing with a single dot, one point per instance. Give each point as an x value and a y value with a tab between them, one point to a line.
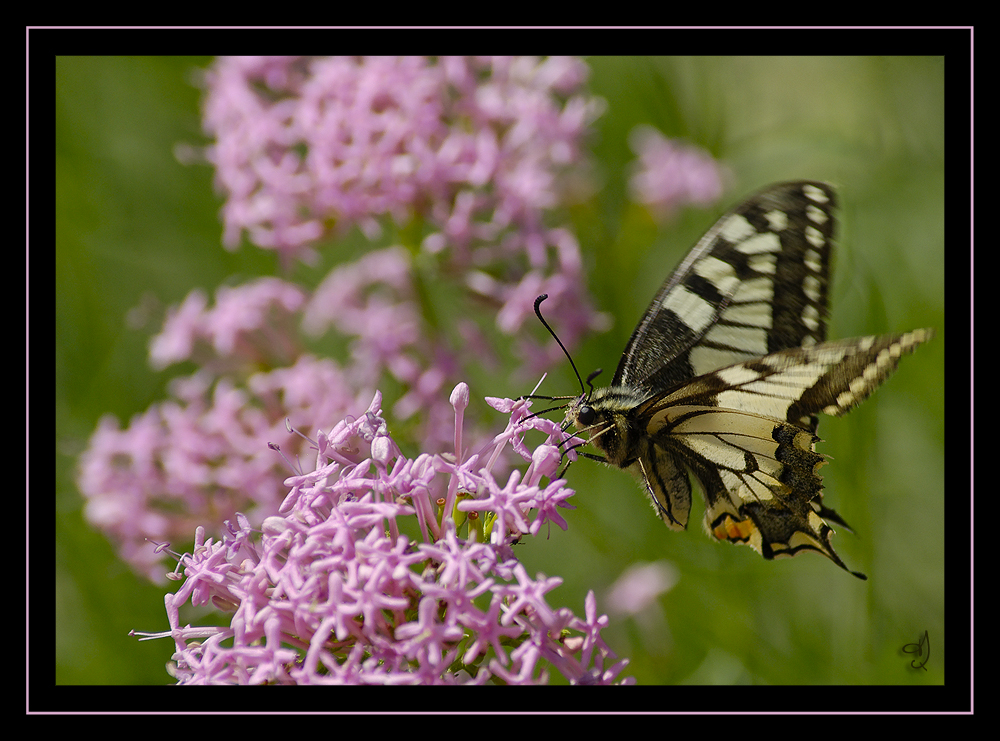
755	283
724	375
741	431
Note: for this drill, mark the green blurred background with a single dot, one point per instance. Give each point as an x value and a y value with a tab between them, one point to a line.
136	230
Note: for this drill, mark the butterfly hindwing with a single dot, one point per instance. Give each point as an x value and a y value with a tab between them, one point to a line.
743	431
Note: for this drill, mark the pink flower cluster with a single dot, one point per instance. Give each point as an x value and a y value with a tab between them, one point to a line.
469	154
670	175
202	455
333	592
474	145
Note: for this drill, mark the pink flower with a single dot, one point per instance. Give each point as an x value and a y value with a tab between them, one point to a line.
331	593
670	175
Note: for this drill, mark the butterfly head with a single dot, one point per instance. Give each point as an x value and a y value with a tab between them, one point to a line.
604	416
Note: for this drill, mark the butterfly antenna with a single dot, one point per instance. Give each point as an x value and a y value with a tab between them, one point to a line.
545	324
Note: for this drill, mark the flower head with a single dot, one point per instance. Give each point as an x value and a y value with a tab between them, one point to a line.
304	144
670	175
333	592
473	151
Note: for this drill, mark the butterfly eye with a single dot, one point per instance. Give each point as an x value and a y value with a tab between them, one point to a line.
587	416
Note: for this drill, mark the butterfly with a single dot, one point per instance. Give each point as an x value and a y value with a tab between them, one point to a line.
724	376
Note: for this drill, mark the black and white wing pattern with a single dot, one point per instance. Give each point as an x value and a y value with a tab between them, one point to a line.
724	376
755	283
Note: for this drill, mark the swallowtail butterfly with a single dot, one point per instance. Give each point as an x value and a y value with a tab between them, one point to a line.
726	371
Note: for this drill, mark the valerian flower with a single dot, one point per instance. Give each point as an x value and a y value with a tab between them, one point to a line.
670	174
334	591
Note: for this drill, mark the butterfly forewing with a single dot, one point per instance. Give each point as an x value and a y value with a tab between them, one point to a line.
724	375
754	284
794	384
